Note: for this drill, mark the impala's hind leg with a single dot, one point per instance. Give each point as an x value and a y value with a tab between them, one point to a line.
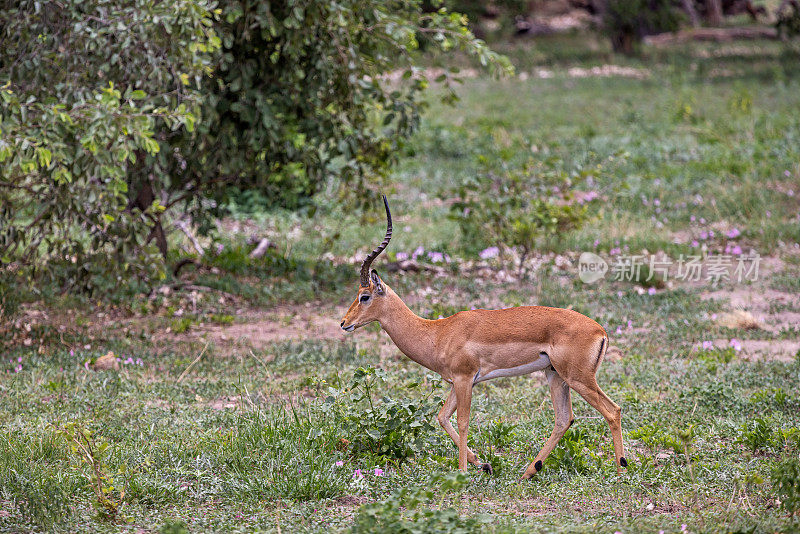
595	396
562	405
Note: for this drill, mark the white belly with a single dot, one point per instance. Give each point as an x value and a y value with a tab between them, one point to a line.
542	363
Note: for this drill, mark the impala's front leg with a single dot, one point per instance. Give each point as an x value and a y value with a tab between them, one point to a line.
447	411
462	386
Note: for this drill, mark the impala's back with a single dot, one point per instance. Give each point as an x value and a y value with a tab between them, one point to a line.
516	341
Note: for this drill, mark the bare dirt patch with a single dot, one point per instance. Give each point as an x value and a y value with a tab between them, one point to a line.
257	329
766	349
773	309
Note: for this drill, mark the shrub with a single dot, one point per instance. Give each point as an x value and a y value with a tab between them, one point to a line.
394	428
88	98
518	206
626	22
115	113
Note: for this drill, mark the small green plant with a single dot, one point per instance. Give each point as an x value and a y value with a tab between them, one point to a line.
770	397
789	437
655	437
756	434
717	355
219	318
573	452
412	510
174	527
181	325
92	455
500	433
393	428
786	482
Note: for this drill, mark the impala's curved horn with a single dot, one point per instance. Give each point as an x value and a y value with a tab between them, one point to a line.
374	254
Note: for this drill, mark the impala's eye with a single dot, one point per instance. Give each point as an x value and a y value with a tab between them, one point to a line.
364	298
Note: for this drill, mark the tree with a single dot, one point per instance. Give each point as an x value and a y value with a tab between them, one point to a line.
117	113
310	93
90	93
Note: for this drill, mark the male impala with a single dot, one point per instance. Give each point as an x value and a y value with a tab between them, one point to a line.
473	346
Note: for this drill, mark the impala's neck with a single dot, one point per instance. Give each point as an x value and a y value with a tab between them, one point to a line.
413	335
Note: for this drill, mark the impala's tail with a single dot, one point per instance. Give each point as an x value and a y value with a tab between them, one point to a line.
602	352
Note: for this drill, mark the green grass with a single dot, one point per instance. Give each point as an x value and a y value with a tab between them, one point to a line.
225	450
250	441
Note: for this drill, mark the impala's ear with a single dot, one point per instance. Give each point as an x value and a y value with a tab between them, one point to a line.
376	280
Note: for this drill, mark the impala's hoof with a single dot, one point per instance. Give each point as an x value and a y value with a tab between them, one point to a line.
487	468
538	465
623	462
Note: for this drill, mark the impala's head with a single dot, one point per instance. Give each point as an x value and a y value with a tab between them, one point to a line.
369	302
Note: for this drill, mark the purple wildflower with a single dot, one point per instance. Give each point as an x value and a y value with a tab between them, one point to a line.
378	472
491	252
651	291
733	234
436	257
339	463
401	256
588	197
736	345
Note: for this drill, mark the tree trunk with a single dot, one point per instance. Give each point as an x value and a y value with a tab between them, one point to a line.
142	200
714	12
623	42
688	7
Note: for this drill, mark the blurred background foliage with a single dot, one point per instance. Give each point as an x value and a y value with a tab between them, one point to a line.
117	115
121	119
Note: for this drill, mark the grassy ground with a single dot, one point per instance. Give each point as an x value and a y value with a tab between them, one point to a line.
243	408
